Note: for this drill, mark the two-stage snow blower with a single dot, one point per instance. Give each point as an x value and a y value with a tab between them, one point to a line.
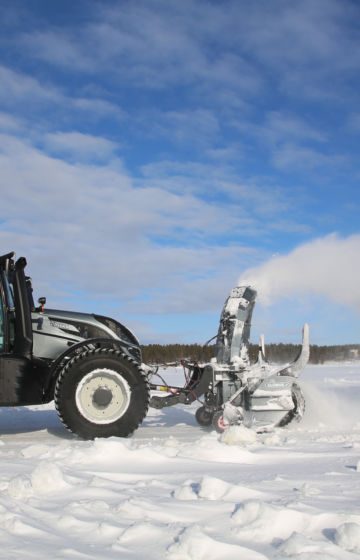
234	391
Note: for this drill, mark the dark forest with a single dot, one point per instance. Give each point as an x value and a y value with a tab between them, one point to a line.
278	353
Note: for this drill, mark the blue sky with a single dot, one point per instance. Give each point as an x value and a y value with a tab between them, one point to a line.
154	153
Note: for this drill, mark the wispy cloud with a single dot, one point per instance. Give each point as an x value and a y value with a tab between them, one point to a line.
154	44
68	209
191	128
17	86
79	146
300	158
19	91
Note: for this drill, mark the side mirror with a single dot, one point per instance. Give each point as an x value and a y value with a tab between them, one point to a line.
41	301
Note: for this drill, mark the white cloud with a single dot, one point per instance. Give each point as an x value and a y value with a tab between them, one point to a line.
299	157
16	86
89	228
83	147
20	91
197	127
353	123
221	49
282	126
328	267
58	48
96	107
9	123
155	44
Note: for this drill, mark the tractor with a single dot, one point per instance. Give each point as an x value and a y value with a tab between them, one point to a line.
89	365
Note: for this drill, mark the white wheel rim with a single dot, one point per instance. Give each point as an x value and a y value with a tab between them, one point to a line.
103	396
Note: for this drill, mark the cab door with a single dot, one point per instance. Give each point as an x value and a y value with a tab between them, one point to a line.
18	377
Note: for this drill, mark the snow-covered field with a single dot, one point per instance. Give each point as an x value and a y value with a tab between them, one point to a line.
180	492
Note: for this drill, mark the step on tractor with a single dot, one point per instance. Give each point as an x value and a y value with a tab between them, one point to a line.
91	367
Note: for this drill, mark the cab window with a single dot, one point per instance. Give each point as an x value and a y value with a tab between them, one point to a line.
2	326
7	317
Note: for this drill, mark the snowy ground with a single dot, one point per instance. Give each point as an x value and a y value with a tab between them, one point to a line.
180	492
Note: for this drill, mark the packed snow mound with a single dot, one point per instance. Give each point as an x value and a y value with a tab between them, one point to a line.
238	435
186	492
195	544
256	519
347	536
46	478
212	448
301	547
212	488
259	520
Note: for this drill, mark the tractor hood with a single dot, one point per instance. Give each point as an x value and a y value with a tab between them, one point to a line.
89	325
56	330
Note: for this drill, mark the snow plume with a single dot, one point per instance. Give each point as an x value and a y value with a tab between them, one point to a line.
328	266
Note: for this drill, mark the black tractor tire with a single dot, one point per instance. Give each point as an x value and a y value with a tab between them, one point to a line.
219	423
203	416
101	393
297	412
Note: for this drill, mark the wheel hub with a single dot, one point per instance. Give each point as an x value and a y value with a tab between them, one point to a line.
102	397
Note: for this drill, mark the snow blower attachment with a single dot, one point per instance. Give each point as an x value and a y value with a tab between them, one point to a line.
259	395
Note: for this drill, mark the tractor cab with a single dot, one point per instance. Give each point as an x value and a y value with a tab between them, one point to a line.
19	373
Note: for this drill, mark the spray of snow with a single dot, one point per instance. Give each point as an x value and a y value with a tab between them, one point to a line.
238	435
330	401
327	266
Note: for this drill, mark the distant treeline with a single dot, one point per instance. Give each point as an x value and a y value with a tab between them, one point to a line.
161	354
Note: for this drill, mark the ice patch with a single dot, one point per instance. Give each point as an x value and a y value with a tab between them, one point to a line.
347	536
